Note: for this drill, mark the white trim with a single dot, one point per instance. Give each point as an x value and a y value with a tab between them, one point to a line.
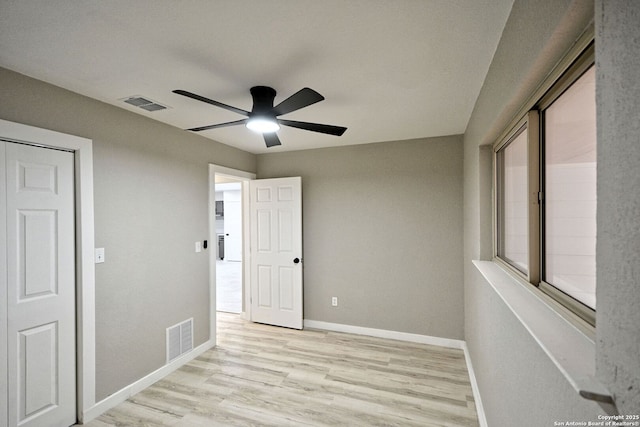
213	240
85	268
232	173
246	248
4	398
383	333
482	416
144	382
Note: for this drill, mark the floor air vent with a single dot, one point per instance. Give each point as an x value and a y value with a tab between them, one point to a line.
179	339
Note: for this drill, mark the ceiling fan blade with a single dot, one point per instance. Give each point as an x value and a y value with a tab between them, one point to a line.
211	101
314	127
300	99
220	125
271	139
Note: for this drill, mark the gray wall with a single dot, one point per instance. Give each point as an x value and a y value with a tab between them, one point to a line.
151	192
382	222
618	247
382	232
511	369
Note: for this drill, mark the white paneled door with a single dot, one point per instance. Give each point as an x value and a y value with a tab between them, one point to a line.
276	251
39	286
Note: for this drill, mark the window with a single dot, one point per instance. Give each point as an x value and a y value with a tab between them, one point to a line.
517	185
545	179
513	243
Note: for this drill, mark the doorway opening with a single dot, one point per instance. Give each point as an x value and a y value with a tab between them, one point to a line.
232	280
270	222
228	244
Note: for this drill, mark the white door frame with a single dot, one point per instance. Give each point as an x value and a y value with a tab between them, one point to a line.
244	178
85	267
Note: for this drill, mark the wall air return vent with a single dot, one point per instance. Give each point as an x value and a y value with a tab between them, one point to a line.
144	103
179	339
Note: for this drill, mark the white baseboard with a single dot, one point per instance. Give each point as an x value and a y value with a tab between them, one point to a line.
144	382
482	417
125	393
417	338
383	333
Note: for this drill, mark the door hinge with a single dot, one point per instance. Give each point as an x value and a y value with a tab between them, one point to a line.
540	196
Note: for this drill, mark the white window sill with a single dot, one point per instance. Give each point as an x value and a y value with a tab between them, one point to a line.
569	349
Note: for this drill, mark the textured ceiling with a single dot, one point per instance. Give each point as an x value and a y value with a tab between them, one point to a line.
389	69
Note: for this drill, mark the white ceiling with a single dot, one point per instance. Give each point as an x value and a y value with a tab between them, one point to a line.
389	69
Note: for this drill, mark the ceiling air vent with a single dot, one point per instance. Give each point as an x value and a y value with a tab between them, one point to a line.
144	103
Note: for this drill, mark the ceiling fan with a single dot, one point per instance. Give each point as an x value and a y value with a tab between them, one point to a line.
263	117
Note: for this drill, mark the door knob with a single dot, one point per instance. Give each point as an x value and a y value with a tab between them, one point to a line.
296	260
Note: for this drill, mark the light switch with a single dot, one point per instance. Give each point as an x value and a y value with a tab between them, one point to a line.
198	246
99	254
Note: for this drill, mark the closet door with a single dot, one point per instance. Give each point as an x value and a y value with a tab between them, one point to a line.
38	215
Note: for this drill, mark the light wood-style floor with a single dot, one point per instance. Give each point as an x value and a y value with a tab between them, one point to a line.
229	286
263	375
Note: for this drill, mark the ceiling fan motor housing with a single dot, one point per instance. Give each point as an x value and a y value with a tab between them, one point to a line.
263	97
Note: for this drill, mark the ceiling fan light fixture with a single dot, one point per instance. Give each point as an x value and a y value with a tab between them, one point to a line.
263	125
263	117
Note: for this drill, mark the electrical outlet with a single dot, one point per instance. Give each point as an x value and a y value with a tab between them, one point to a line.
334	301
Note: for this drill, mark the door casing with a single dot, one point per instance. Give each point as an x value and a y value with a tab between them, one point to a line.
85	268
